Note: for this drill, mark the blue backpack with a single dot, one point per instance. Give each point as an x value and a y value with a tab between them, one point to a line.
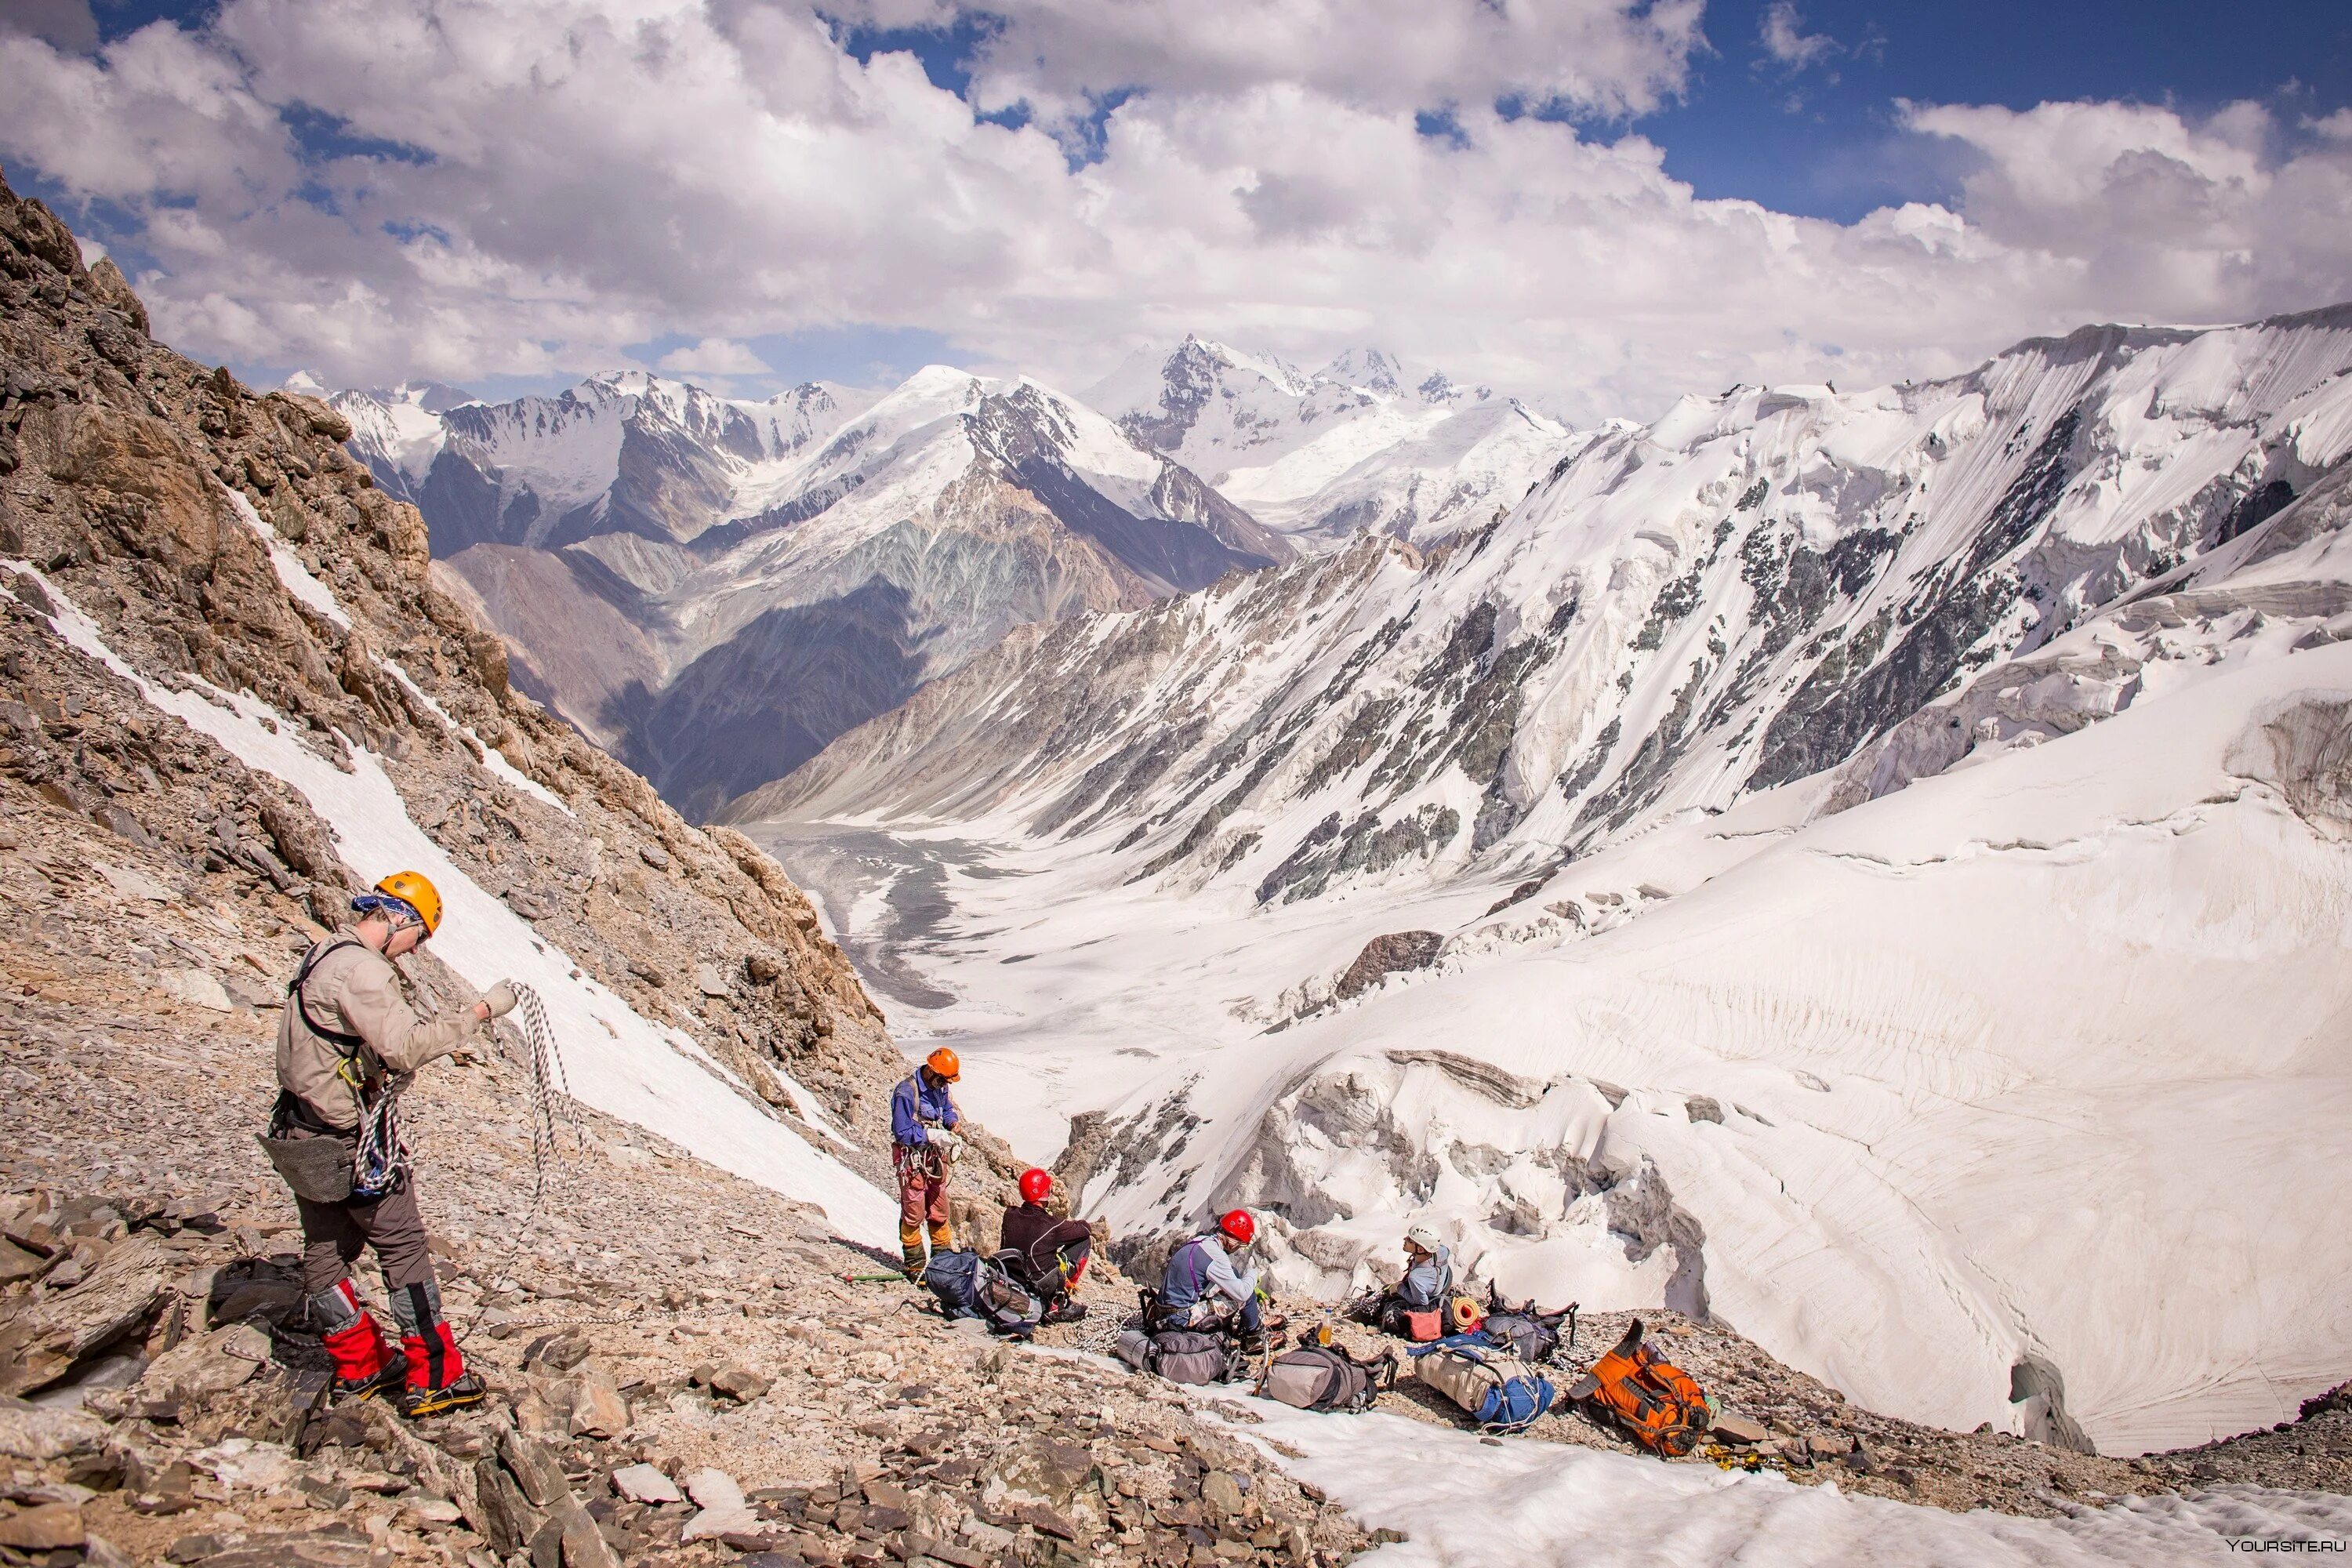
969	1286
1501	1392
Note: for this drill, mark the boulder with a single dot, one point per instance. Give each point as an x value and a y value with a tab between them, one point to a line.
16	1263
597	1408
50	1527
1036	1471
243	1462
40	1344
1736	1428
213	1364
724	1512
740	1383
39	1434
644	1483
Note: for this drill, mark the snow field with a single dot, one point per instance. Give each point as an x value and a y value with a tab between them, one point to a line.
1523	1504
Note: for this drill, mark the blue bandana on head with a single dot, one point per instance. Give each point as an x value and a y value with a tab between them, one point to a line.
401	910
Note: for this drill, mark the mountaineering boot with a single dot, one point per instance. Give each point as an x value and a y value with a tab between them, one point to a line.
437	1378
415	1402
1067	1313
365	1362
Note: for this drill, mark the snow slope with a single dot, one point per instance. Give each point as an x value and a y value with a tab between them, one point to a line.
1883	854
615	1059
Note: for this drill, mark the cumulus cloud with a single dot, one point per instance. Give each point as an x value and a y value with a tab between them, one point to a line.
386	189
2167	216
713	356
1601	54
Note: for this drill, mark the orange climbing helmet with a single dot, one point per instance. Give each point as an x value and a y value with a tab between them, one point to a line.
413	889
1237	1224
943	1062
1034	1185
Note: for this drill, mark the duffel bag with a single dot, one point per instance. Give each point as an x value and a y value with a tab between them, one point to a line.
1499	1390
1181	1355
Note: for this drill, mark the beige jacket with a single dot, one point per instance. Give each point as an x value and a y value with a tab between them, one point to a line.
355	990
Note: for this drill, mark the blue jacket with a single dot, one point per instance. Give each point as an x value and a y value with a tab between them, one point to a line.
914	1103
1425	1285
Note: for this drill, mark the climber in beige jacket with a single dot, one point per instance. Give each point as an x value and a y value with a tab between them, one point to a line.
347	1042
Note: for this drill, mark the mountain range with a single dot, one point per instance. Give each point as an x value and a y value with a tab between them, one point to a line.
712	588
1865	865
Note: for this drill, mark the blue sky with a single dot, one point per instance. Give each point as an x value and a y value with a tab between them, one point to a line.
809	209
1819	140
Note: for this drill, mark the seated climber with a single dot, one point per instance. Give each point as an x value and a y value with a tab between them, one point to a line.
1201	1291
1049	1251
1421	1294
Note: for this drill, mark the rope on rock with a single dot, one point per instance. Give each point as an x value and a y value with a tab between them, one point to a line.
551	1107
551	1092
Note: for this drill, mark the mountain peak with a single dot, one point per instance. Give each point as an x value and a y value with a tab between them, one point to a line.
1374	370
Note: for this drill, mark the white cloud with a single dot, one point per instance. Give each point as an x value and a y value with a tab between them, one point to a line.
1604	55
2146	214
526	187
68	24
1787	43
713	356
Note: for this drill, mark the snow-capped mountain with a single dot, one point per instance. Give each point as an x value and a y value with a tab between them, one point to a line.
1360	446
1867	864
714	588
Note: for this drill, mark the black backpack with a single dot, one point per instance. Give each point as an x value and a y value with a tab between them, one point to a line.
1533	1336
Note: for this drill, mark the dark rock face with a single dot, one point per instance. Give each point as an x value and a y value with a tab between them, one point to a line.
1834	713
1368	846
1191	376
766	700
2258	508
1385	956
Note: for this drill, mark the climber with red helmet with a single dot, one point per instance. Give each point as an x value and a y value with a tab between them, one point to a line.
1048	1251
923	1144
1201	1289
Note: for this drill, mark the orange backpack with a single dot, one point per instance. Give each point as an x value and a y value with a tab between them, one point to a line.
1648	1397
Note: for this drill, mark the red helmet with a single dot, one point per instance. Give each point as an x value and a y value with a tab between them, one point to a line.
1237	1224
1034	1185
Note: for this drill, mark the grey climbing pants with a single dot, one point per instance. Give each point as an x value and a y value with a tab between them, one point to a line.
333	1234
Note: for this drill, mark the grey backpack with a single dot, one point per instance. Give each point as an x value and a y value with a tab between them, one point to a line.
1180	1355
1321	1377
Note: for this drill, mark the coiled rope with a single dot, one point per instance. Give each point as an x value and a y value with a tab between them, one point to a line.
550	1092
551	1107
